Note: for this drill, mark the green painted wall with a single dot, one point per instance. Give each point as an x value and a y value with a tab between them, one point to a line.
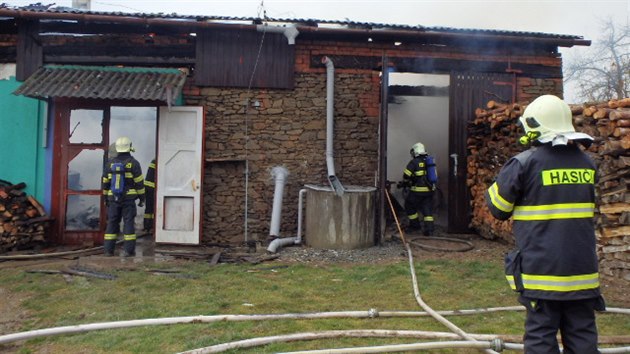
22	151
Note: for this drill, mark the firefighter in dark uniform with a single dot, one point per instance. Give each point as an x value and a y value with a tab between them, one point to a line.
548	191
122	171
420	177
149	188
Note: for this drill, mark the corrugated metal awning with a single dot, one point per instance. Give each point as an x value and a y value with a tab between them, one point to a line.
103	82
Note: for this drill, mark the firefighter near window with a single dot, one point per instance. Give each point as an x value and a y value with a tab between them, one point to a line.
549	191
419	181
123	184
149	188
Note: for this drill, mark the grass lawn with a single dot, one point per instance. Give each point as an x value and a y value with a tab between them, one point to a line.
36	300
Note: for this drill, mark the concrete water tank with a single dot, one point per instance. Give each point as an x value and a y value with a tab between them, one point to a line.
340	222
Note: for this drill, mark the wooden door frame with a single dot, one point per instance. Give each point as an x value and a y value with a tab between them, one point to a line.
62	151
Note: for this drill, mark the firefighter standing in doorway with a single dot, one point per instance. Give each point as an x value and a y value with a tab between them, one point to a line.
149	187
548	191
123	183
420	177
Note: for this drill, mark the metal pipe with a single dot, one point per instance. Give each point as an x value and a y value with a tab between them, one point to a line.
280	174
335	184
281	242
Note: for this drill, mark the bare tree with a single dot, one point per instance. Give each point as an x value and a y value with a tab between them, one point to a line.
602	72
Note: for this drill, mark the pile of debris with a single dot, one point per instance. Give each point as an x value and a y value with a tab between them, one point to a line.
493	140
23	221
218	253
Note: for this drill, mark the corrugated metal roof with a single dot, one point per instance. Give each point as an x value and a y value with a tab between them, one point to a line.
100	82
300	21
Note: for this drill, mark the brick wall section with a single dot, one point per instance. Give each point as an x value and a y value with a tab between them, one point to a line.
289	129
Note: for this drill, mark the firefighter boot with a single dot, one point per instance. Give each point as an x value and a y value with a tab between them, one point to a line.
129	249
429	228
109	246
414	226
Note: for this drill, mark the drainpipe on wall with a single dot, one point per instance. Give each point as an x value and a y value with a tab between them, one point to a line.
280	174
289	31
330	95
281	242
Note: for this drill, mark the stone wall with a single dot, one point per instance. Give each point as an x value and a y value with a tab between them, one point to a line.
268	128
529	88
260	129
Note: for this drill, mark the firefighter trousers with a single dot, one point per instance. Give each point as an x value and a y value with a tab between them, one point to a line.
420	202
575	319
124	210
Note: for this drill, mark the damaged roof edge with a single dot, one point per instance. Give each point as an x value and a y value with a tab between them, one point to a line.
352	28
102	82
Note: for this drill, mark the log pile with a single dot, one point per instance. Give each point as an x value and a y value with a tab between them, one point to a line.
23	221
609	124
493	140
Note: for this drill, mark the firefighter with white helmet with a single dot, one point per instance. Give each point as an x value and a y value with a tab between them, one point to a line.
420	177
123	184
549	192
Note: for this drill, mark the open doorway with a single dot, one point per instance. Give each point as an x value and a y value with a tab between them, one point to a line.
139	124
84	132
418	111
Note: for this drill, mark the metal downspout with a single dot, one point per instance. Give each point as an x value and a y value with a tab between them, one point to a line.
281	242
280	174
330	95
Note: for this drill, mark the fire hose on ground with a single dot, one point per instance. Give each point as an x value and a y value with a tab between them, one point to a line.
490	343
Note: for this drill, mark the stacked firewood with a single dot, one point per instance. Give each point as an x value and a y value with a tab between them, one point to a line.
493	140
609	124
23	221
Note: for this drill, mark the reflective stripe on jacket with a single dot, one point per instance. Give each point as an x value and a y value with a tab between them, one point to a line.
134	181
549	191
416	172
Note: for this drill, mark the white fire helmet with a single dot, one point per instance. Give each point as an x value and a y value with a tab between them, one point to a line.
417	149
123	144
548	118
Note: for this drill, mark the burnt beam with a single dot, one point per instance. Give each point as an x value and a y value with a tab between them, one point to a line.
117	60
147	50
29	56
7	54
439	65
75	27
423	91
8	27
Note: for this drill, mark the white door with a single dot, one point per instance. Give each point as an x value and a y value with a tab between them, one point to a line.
179	171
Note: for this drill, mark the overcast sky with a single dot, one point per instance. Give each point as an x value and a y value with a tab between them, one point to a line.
580	18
